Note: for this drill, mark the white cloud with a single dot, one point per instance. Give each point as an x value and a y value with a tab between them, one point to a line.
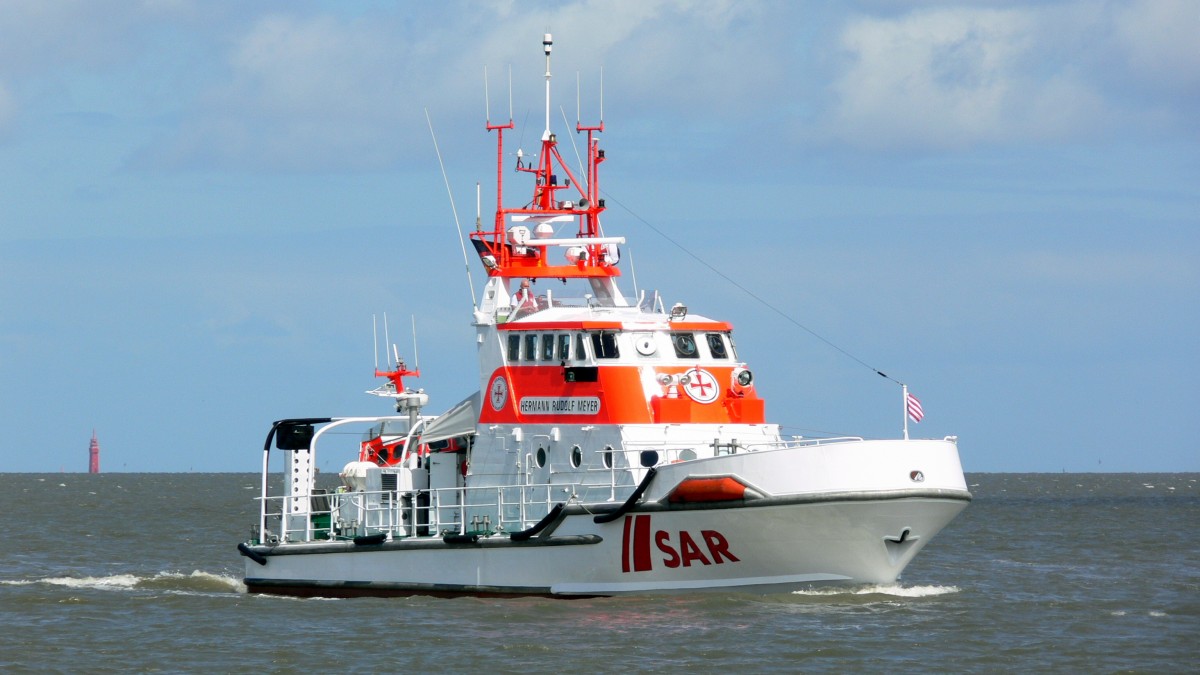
303	91
950	78
1162	41
954	77
1158	51
297	88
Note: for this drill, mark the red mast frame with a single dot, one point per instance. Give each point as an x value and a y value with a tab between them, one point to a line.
505	256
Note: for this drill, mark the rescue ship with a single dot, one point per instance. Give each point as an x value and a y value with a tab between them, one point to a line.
613	445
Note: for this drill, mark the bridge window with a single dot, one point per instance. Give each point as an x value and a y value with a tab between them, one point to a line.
716	346
514	347
531	346
685	345
580	347
564	346
548	347
604	344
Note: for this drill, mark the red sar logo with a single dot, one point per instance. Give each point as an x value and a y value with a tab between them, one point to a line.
681	552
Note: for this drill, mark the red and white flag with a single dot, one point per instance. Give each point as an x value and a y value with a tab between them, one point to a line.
914	409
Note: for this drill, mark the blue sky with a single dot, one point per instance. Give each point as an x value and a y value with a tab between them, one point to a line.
202	204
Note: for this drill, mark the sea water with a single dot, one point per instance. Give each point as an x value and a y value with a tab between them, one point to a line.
1064	572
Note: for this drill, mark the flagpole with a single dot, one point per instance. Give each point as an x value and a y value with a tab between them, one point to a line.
904	407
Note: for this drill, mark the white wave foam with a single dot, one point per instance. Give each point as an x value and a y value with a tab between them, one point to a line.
881	589
197	580
116	581
172	582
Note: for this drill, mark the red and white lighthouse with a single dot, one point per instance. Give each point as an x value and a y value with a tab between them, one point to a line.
94	455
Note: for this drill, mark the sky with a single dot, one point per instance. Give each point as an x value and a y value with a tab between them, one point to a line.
204	204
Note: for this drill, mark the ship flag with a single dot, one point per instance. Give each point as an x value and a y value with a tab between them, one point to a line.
914	408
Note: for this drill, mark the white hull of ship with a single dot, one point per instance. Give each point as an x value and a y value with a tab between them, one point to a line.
769	549
782	539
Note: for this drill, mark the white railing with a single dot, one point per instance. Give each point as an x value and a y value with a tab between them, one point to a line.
480	511
415	513
799	442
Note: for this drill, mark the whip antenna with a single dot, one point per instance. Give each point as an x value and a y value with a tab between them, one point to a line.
574	147
547	44
416	357
602	95
453	209
375	340
632	269
386	340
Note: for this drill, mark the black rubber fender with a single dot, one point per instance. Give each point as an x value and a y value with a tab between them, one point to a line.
540	525
370	539
633	499
251	554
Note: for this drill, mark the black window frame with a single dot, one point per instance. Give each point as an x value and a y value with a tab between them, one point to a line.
604	345
514	347
563	341
684	336
531	347
717	339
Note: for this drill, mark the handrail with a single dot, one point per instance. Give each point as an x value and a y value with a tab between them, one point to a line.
262	516
330	423
448	511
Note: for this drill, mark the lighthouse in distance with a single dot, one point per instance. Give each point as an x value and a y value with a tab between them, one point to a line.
94	455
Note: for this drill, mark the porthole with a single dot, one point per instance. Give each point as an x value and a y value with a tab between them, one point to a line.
540	458
649	458
644	342
576	456
687	455
608	457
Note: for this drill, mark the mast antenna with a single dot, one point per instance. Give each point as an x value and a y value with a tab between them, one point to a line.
416	357
454	210
547	44
578	157
386	339
632	270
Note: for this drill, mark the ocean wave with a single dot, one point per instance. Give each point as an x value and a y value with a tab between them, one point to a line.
895	590
171	582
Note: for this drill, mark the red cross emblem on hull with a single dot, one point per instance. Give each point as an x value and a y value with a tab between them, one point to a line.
702	387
